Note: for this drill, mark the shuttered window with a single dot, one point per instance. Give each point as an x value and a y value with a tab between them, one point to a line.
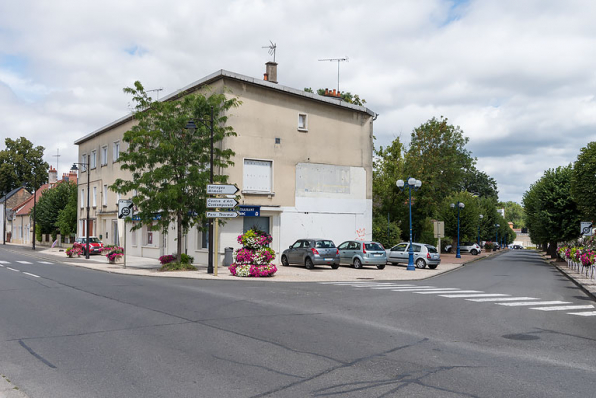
257	175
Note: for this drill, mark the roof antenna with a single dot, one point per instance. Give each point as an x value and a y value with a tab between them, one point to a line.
345	59
272	47
157	90
57	156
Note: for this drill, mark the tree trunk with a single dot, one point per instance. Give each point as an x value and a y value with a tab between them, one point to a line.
552	249
179	239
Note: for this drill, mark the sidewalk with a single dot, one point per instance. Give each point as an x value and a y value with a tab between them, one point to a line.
586	284
149	267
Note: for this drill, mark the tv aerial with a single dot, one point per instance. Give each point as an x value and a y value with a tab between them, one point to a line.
272	47
338	60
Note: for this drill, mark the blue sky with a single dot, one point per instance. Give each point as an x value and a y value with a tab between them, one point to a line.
517	77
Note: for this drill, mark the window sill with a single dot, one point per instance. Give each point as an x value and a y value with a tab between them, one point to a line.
258	193
302	130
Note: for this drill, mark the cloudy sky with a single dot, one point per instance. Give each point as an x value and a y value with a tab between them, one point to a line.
518	76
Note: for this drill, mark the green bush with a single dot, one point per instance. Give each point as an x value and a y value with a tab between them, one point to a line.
178	267
186	259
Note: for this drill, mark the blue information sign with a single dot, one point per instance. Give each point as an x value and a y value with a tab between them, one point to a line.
249	211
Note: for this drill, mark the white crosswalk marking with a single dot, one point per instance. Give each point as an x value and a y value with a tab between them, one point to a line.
12	269
587	313
534	303
444	291
474	295
1	265
45	262
26	273
414	289
564	308
390	287
23	262
480	300
4	262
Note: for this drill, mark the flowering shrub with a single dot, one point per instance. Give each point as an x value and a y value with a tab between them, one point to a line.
112	253
254	258
168	258
75	250
488	245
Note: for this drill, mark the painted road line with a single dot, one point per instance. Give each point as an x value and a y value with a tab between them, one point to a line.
45	262
391	287
474	295
26	273
414	289
24	262
564	308
447	291
481	300
12	269
587	313
1	265
4	262
373	285
534	303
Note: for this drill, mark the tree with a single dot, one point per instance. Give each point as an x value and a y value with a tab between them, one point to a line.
169	162
21	164
552	214
583	181
479	183
514	212
469	217
67	216
54	202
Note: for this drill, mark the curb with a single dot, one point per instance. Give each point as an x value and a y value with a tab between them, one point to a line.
9	390
572	278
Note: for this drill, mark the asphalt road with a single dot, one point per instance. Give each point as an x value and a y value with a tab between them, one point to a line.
72	332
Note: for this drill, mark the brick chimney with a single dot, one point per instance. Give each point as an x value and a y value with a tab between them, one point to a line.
52	176
271	72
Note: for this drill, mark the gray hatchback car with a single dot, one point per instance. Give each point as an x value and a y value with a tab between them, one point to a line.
311	252
359	253
423	255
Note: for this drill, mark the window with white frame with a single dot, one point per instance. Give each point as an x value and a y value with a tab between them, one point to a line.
133	237
302	122
150	237
105	196
84	162
257	176
104	155
203	236
93	160
116	151
82	198
94	196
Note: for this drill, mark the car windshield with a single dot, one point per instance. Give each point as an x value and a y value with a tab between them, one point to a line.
94	240
431	249
324	244
373	246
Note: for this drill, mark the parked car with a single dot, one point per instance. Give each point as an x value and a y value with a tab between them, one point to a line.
359	253
311	252
423	255
95	244
516	247
466	247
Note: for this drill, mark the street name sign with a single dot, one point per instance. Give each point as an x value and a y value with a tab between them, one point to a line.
221	189
213	203
249	211
222	214
124	208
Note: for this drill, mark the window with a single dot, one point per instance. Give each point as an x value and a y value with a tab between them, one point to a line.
116	150
257	176
150	236
203	236
105	195
94	196
260	223
133	237
84	162
82	198
93	159
104	155
302	122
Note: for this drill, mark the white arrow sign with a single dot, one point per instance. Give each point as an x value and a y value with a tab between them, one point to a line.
213	203
222	214
220	189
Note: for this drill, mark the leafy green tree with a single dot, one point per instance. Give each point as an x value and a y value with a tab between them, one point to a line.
52	203
479	183
67	216
514	213
170	163
583	181
22	164
469	217
552	213
385	232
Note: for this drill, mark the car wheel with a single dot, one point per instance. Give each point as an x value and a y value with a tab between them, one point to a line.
334	266
474	252
357	263
432	266
420	263
284	261
308	263
381	266
393	263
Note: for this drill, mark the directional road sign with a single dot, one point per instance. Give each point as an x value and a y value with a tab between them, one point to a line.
222	214
214	203
221	189
124	208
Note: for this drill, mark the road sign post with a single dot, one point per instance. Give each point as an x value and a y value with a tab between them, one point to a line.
221	189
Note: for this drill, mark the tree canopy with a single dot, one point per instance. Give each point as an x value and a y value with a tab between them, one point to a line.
583	181
56	210
169	162
22	164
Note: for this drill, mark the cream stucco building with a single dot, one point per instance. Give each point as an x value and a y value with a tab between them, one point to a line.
305	159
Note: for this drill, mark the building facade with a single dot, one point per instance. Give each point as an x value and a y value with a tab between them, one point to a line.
304	159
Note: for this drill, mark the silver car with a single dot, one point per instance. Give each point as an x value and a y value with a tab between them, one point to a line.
423	255
359	253
311	252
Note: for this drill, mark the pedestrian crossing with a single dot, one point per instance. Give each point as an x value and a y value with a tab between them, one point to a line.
502	299
6	265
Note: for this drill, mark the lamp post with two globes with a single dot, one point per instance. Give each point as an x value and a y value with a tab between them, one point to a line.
412	184
459	205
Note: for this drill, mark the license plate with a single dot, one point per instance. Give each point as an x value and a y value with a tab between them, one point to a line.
378	255
328	259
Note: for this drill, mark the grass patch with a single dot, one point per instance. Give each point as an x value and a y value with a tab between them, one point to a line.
173	266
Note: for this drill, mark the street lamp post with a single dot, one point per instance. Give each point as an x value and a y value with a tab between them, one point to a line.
497	234
4	220
460	206
412	184
191	125
481	217
74	168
